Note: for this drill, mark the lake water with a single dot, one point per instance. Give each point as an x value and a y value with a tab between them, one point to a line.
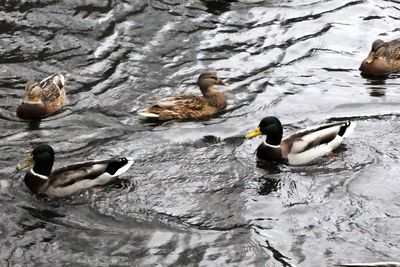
195	196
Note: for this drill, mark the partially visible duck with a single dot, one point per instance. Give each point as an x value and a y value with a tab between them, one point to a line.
190	106
300	147
43	99
383	59
40	179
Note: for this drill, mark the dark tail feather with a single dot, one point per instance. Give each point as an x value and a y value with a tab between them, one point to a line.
343	129
115	165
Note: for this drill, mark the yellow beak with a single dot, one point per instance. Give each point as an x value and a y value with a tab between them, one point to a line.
26	164
226	84
254	133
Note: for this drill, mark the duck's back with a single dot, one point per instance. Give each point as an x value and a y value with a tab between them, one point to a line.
187	106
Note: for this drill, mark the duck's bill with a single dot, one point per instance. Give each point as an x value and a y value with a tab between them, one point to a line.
254	133
26	164
220	82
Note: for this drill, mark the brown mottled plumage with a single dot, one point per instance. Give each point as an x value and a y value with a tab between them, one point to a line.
383	59
189	106
44	98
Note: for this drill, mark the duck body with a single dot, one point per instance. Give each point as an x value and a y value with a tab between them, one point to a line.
383	59
40	179
190	106
301	147
43	99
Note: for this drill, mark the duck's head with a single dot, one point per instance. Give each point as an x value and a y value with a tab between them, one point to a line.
207	80
32	106
33	92
271	127
376	62
41	158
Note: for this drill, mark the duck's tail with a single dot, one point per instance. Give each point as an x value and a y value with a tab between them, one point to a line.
347	129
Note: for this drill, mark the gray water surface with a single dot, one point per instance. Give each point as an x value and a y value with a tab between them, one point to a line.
194	196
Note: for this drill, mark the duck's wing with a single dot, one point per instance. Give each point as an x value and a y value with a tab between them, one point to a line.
306	145
52	87
102	171
174	101
53	93
177	107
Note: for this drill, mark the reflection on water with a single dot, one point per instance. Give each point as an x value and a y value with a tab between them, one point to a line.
196	195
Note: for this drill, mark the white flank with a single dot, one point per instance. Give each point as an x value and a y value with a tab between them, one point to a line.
300	145
84	184
313	153
40	176
80	185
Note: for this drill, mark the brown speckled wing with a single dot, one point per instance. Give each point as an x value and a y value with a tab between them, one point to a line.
53	98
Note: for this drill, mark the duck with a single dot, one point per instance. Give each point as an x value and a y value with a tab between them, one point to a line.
62	182
43	98
300	147
383	59
190	106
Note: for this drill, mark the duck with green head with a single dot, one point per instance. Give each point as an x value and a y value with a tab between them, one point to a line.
383	59
300	147
190	106
40	178
43	99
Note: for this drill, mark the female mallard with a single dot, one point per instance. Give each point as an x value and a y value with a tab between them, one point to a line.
384	58
44	98
300	147
189	106
69	179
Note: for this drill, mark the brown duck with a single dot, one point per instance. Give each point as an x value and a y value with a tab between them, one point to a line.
383	59
43	99
190	106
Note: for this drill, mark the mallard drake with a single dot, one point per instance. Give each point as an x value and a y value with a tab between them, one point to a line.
384	58
44	98
372	264
69	179
190	106
300	147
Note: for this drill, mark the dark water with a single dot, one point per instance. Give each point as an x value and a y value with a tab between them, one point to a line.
194	196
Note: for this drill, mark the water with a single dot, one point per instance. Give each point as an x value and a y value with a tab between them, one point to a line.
194	196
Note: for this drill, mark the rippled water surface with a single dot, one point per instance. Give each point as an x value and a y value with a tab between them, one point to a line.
194	196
